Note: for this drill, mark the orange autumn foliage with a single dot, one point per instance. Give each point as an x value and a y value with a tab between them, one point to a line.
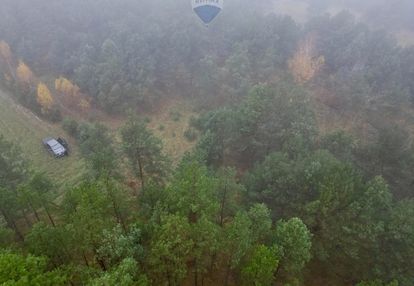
69	91
304	65
84	105
5	51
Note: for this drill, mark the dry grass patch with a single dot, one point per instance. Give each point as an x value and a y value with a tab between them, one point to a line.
169	123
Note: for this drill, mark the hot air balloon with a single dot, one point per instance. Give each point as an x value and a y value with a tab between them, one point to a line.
207	10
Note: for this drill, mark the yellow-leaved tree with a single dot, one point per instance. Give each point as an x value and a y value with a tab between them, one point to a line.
6	56
70	91
304	65
84	105
24	74
44	97
5	51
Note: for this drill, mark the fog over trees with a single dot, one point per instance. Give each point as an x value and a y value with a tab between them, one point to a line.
273	146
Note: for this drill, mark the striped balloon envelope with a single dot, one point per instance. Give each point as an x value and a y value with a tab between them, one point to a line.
207	10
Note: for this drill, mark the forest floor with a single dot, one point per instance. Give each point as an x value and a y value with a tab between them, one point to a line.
20	126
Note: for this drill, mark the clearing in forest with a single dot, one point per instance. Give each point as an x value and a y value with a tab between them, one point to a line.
19	125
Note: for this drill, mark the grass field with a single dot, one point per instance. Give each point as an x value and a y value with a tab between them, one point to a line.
169	123
22	127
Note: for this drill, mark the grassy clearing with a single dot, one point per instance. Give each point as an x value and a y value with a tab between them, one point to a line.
170	123
22	127
19	125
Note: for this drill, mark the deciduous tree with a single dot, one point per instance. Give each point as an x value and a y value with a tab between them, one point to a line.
53	242
260	216
6	55
304	65
125	274
6	237
261	266
294	241
16	269
84	105
69	91
24	74
44	97
169	249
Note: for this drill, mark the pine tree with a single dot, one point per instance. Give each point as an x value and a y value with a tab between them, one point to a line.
144	152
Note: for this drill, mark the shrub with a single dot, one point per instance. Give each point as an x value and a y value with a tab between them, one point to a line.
71	126
54	115
175	115
190	134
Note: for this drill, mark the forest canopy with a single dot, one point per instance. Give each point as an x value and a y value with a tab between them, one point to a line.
301	158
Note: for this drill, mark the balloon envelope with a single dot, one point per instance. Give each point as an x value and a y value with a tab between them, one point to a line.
207	10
